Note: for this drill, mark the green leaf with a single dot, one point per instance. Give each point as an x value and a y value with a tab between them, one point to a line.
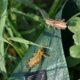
2	6
3	14
20	40
28	15
75	51
76	38
74	24
55	7
26	42
54	64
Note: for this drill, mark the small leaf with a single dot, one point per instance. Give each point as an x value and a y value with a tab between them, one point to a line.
75	51
76	38
20	40
74	24
29	15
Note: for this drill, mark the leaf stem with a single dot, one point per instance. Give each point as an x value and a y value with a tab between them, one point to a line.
74	16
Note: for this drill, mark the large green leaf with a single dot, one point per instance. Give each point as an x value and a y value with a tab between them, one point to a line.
3	13
54	64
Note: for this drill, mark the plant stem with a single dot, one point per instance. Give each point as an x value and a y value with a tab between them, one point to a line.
74	16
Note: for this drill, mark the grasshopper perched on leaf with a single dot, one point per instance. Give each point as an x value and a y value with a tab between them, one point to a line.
60	24
36	58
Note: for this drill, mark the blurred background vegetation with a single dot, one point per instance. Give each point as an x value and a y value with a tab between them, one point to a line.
21	23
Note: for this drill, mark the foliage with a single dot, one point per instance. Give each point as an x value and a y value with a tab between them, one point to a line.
3	14
74	26
53	62
9	31
22	22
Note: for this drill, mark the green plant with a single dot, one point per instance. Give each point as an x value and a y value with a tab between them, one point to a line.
21	24
74	27
9	33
